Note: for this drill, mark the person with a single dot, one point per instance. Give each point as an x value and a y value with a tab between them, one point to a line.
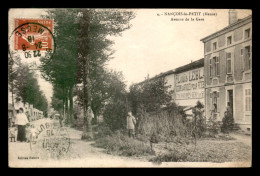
131	122
60	120
21	121
32	133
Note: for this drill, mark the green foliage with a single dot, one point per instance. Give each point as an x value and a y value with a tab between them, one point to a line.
83	48
115	114
174	156
150	95
213	126
199	121
25	85
120	144
227	122
164	124
116	106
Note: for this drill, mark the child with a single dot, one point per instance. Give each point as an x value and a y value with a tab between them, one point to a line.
31	134
12	134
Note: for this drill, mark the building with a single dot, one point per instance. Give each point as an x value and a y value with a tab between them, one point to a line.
187	83
228	71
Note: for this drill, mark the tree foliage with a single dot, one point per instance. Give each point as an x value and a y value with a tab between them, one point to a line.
150	95
24	84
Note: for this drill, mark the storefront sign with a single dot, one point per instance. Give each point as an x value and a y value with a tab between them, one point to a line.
190	84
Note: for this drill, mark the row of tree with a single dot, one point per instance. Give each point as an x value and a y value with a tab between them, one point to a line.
78	65
23	83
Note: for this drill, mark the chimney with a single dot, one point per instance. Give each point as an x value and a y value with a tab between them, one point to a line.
232	16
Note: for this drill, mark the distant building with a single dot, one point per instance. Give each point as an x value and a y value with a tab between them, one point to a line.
187	82
228	70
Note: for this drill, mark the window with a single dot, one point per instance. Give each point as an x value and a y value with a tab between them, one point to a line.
215	101
228	56
210	68
214	46
248	100
229	40
216	59
247	59
247	33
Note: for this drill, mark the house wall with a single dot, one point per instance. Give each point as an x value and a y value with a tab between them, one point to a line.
238	80
189	87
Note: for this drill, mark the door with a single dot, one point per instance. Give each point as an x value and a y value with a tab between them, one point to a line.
230	100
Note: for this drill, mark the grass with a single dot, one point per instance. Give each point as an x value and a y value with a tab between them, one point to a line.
121	144
206	151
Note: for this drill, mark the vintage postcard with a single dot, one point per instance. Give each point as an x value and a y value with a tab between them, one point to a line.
129	87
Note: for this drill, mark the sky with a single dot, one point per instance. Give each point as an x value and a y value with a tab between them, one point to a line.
154	44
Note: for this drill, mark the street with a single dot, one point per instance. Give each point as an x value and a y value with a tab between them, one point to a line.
83	154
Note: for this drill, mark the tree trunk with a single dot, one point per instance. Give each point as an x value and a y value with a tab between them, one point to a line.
85	24
71	105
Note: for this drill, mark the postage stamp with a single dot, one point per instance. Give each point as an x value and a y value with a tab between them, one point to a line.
33	34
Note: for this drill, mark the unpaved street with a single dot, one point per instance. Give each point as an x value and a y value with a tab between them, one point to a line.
83	154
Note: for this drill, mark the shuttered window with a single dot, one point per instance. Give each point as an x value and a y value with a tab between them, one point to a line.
210	68
229	66
216	59
248	100
247	59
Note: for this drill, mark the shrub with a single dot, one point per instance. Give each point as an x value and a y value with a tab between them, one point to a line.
175	155
227	122
115	115
213	126
102	130
120	144
163	124
199	122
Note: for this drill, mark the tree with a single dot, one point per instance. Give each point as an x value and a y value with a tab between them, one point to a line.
150	95
116	106
61	69
94	48
25	85
82	51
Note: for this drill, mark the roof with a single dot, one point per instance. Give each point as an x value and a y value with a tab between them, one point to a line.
226	29
196	64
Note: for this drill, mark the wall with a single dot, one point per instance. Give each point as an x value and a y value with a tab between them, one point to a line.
239	79
189	87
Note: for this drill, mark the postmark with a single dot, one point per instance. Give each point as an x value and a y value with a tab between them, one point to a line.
51	141
32	39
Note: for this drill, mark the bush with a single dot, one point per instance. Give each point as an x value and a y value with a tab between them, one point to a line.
163	124
227	122
115	115
120	144
199	122
213	126
102	131
175	155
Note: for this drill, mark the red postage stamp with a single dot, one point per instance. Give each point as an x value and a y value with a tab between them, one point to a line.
33	34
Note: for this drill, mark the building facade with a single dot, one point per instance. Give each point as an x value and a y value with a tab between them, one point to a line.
228	71
189	84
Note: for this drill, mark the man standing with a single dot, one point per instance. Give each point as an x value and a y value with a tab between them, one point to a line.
21	120
130	124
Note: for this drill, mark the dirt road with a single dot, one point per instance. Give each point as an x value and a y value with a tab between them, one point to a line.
83	154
